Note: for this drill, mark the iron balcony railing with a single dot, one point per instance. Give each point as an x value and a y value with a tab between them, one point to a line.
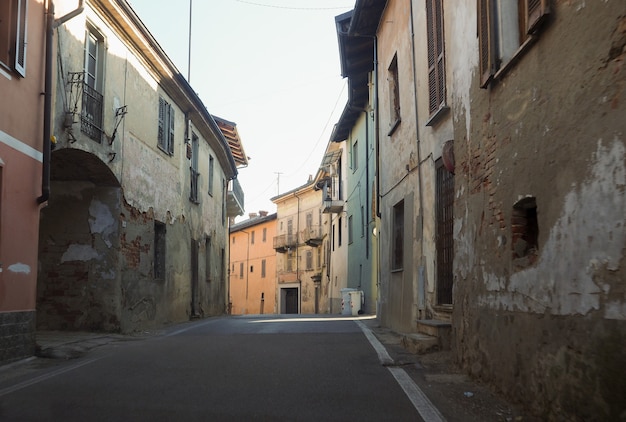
91	115
284	242
193	192
235	199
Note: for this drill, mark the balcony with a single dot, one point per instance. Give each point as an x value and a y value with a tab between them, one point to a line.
312	235
193	192
331	202
285	242
91	115
234	199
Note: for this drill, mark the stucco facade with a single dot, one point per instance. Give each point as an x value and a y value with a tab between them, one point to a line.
301	244
540	218
252	276
21	158
136	231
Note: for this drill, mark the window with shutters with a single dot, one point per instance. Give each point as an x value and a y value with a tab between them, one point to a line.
193	170
506	29
394	95
13	14
309	260
93	83
166	127
263	264
397	247
211	169
436	60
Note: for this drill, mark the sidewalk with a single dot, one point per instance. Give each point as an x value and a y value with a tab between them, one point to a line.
456	396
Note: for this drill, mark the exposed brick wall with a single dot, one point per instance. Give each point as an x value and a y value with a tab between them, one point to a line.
17	335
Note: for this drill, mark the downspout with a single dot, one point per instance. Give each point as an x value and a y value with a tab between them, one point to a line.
51	24
422	292
298	260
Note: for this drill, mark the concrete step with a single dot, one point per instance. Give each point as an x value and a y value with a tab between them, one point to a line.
439	329
419	343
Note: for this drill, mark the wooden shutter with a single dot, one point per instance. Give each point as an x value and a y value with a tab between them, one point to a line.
170	144
161	130
20	41
536	12
436	71
486	41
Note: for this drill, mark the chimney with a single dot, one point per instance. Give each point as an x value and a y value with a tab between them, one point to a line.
263	213
252	215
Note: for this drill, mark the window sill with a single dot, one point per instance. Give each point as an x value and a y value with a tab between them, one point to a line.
394	126
438	115
165	151
397	270
506	67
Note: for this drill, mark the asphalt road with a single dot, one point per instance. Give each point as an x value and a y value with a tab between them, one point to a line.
267	368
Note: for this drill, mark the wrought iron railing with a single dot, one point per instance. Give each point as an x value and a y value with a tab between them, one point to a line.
193	192
91	115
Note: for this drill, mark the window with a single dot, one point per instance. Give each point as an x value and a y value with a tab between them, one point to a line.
350	228
505	29
264	235
339	232
251	268
241	270
211	165
159	250
290	261
525	233
309	260
194	174
436	54
92	99
362	221
397	253
309	220
394	95
13	34
263	269
166	126
355	156
252	237
234	240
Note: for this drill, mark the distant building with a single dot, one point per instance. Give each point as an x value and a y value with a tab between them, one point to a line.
301	270
252	279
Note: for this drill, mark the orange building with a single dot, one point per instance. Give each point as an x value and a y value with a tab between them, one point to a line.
253	265
24	128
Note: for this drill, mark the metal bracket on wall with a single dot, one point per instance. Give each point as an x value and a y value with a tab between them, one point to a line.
120	112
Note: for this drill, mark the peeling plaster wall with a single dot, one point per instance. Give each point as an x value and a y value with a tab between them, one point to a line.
549	332
78	263
398	173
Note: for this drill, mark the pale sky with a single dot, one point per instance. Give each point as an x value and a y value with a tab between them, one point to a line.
270	66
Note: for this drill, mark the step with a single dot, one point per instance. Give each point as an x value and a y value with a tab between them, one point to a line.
419	343
439	329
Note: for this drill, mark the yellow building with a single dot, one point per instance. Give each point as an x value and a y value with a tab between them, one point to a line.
253	265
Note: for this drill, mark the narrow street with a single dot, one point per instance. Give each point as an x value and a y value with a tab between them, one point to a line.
271	368
216	369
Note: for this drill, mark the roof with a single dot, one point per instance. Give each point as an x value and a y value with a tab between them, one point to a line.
252	222
229	130
356	31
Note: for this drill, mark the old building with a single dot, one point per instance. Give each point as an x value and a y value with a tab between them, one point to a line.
540	222
300	243
252	278
356	127
135	234
24	130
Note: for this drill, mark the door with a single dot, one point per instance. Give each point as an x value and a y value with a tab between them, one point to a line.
445	239
291	300
195	305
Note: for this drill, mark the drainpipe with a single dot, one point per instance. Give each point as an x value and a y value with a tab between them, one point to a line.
297	258
421	293
51	24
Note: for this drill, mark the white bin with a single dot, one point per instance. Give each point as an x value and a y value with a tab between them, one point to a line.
346	299
356	300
